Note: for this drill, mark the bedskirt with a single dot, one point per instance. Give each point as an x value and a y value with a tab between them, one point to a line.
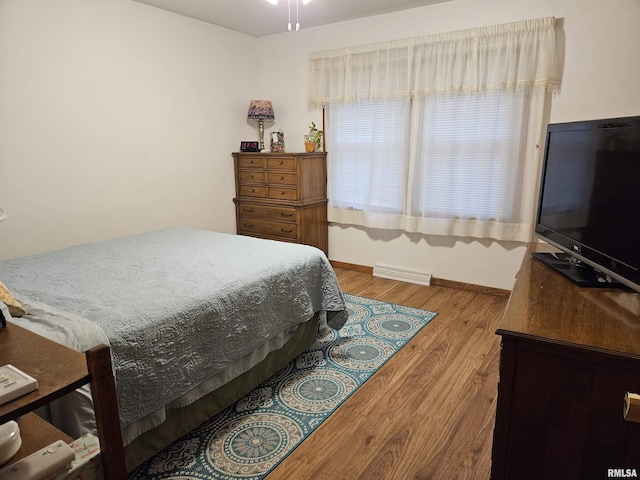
180	421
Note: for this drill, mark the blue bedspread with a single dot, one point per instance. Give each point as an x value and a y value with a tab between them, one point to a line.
179	305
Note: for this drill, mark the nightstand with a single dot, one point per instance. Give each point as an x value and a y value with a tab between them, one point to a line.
60	370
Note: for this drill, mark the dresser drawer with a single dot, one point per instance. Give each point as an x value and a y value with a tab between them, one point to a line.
252	191
252	176
283	178
246	210
283	193
250	162
281	163
262	227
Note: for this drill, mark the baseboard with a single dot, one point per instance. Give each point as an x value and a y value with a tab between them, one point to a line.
499	292
352	266
471	287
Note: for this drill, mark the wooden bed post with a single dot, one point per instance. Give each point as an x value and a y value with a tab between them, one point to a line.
105	406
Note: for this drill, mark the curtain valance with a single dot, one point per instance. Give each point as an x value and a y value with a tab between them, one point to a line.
510	58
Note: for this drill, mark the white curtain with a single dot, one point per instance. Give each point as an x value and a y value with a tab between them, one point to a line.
517	57
445	97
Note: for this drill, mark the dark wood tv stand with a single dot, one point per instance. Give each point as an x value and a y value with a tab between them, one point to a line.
569	355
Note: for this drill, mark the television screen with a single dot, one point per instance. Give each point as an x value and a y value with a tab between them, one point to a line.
589	203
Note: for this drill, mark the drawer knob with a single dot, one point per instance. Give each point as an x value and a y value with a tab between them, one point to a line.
282	192
248	210
249	225
631	407
280	162
281	177
286	214
286	231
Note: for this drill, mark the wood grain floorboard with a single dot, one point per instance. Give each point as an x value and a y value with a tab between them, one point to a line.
428	413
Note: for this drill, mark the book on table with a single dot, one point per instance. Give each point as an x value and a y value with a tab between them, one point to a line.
14	383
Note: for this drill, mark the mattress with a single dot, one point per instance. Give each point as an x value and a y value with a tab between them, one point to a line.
178	307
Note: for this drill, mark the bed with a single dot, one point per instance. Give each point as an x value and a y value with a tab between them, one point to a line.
194	320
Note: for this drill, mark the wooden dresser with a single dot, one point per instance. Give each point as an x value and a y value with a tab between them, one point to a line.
282	196
569	355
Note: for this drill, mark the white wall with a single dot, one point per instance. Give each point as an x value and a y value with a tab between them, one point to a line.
115	118
601	78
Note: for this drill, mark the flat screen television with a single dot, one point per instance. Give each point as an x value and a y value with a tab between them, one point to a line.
589	201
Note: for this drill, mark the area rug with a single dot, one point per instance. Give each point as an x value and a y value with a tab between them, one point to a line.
250	438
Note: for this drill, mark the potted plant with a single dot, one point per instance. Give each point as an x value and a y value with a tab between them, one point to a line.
313	140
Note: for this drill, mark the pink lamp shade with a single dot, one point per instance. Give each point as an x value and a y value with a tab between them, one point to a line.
260	110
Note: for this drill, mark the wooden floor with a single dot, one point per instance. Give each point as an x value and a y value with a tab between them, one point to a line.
428	413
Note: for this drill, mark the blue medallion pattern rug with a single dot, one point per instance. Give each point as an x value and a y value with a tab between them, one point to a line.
250	438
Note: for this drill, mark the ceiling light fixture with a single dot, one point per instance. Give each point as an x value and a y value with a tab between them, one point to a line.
304	2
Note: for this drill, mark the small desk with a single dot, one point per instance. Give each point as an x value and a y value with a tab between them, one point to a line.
569	355
60	370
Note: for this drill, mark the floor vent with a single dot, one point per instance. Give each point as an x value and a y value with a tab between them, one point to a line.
402	274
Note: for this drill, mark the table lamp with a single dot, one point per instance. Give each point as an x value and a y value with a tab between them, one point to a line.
260	110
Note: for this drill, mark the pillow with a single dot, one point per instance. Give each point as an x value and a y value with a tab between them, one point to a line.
15	309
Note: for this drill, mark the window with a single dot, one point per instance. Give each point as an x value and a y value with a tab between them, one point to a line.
438	134
467	159
369	149
450	158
